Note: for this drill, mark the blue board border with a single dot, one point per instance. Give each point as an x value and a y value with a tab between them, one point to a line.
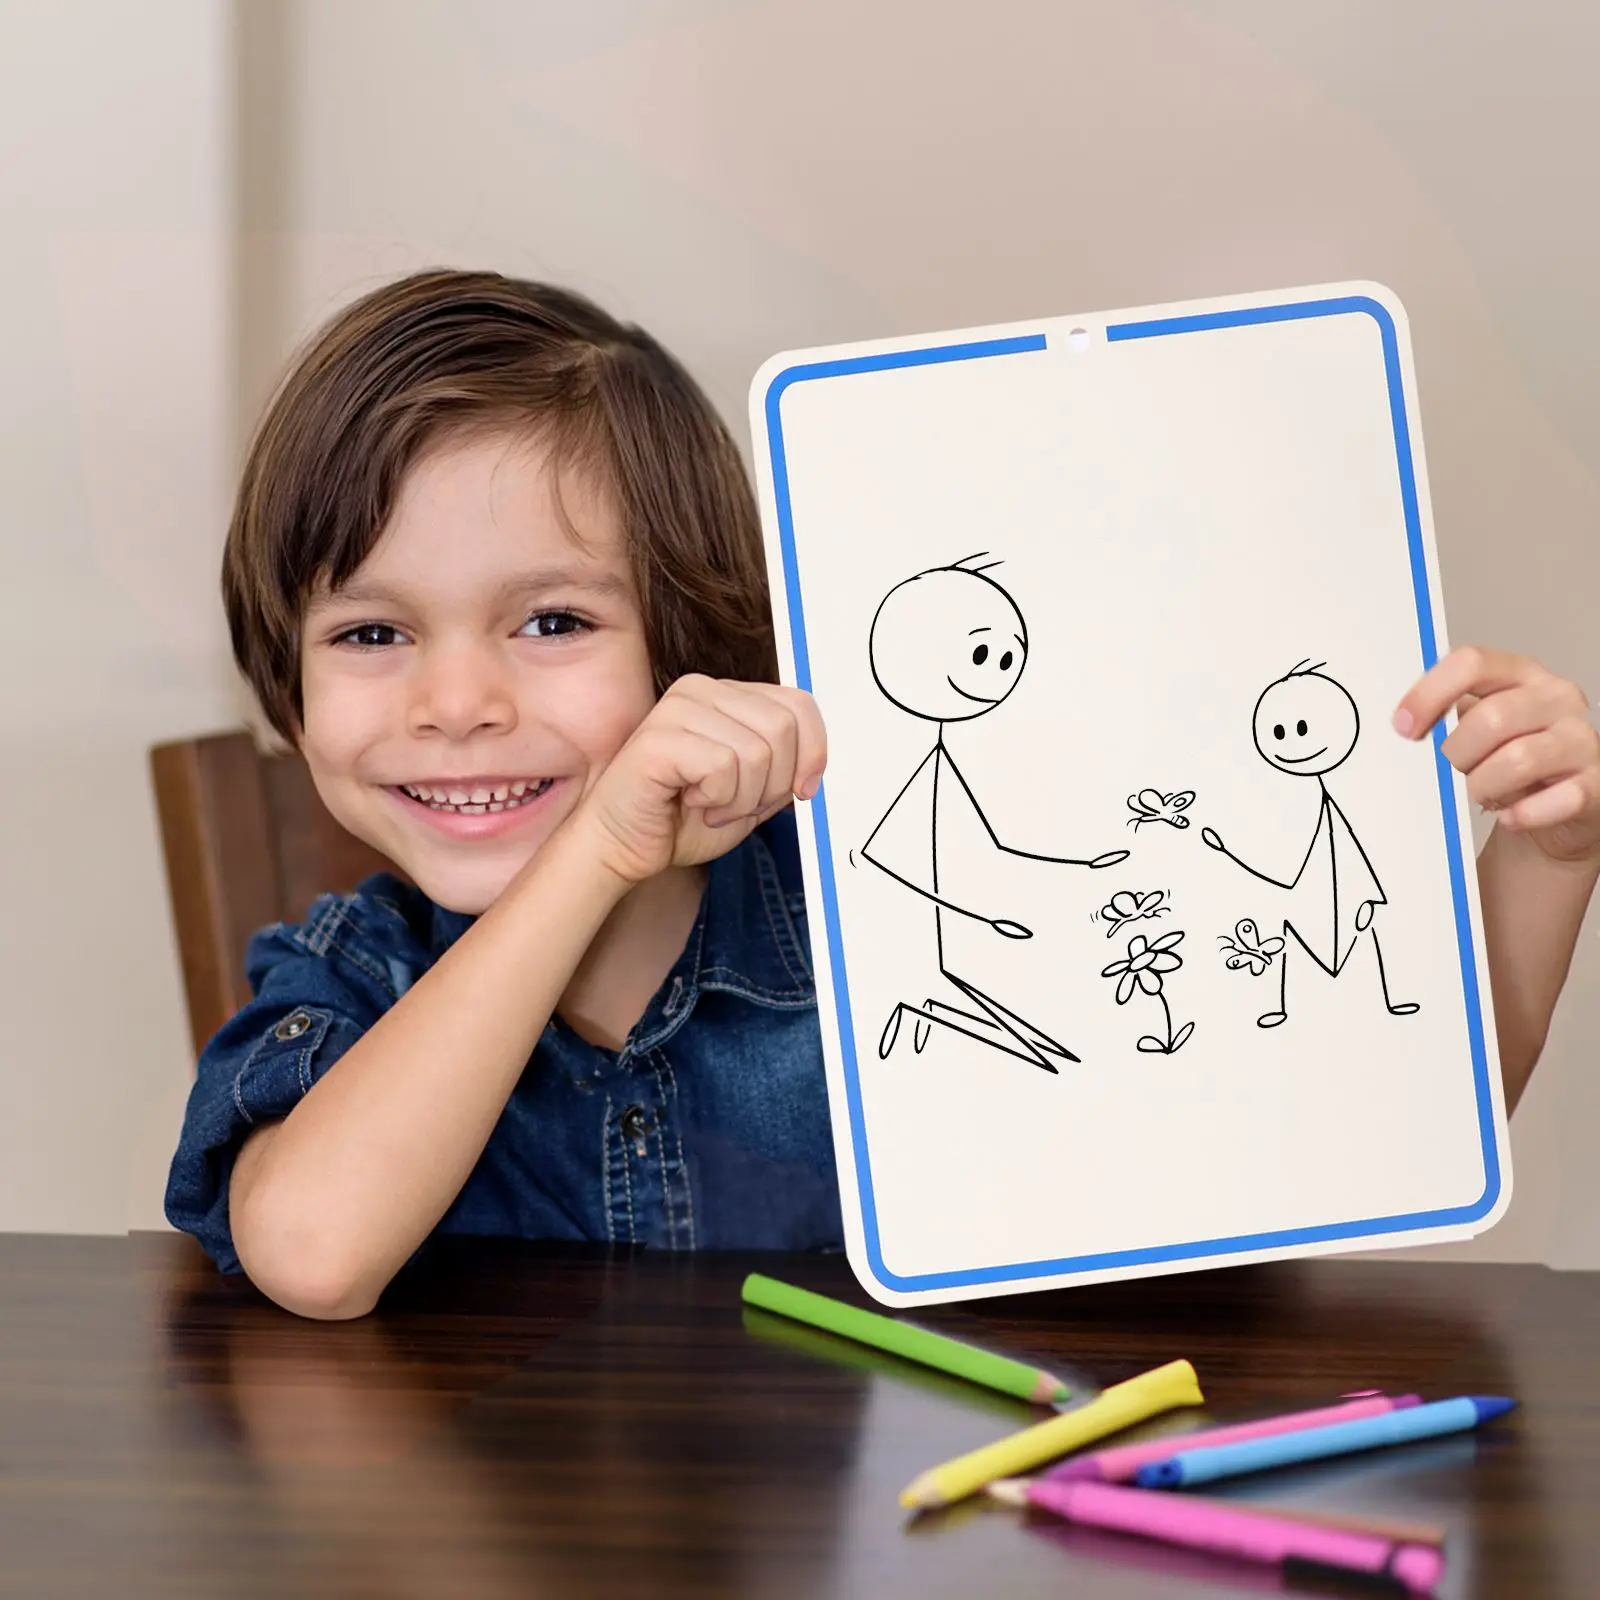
1198	1249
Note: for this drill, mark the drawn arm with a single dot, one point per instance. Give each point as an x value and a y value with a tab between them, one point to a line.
1012	930
1209	835
1109	859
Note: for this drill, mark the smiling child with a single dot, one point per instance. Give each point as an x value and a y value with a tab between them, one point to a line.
495	570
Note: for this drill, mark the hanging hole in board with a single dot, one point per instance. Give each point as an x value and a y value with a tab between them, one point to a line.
1078	339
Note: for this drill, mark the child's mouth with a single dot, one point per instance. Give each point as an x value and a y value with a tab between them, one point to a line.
479	801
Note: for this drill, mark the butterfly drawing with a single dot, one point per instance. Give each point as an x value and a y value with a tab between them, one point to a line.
1150	805
1247	948
1128	905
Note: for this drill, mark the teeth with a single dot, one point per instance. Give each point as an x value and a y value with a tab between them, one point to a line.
503	797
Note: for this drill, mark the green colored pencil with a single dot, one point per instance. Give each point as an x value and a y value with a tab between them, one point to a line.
902	1339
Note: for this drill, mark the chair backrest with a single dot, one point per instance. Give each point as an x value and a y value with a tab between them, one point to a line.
248	842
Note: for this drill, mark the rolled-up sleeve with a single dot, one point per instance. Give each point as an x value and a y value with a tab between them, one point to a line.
256	1069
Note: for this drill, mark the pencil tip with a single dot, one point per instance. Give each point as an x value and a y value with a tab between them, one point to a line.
1009	1491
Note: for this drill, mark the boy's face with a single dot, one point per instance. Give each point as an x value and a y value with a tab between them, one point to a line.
476	675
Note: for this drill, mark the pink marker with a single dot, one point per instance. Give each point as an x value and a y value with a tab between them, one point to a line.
1119	1465
1275	1541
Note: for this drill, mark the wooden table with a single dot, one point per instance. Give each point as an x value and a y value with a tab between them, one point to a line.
523	1420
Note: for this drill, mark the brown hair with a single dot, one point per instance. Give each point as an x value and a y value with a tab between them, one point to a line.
444	351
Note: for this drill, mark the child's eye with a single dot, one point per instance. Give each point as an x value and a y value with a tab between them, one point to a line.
552	624
369	635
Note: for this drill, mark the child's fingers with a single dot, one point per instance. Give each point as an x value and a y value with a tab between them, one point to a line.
811	757
1549	808
702	772
752	760
1491	723
772	720
774	706
1535	761
1468	670
674	764
787	718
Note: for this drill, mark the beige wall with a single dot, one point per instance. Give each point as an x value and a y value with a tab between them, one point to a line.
115	377
742	177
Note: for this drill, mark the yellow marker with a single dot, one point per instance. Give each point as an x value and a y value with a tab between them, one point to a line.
1118	1407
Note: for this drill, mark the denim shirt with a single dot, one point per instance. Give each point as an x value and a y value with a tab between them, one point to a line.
708	1130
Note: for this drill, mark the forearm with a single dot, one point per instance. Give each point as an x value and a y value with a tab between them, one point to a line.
337	1197
1533	908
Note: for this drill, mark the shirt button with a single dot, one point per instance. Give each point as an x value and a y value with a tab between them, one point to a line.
292	1025
635	1125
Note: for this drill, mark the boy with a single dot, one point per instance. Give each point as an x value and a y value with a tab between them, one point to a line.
495	570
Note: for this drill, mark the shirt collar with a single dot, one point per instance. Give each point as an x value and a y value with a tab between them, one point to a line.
448	926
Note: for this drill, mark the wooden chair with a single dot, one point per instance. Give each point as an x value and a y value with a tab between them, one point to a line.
247	842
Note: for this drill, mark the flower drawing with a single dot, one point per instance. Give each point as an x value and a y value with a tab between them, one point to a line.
1143	970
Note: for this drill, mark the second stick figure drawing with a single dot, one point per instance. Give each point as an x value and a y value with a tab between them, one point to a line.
949	645
1306	724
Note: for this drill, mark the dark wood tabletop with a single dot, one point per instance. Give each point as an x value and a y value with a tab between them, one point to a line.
522	1420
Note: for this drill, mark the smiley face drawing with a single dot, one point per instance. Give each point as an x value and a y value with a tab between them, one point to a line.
948	645
1306	724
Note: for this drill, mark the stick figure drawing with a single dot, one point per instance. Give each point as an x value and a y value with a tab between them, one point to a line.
946	646
1306	724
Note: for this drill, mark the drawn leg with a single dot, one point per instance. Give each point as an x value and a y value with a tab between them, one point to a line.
925	1021
1012	1023
1272	1019
931	1004
1406	1008
891	1032
986	1020
1034	1043
979	1028
994	1025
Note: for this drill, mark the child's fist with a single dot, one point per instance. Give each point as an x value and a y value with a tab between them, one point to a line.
1523	741
711	762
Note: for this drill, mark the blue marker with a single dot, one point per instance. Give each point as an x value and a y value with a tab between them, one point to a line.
1311	1444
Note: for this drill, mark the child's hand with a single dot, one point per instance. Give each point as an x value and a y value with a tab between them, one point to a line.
1524	742
712	761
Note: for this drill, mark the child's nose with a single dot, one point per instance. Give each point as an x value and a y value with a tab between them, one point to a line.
461	691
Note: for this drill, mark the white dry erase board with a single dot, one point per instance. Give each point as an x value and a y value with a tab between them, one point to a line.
1139	590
